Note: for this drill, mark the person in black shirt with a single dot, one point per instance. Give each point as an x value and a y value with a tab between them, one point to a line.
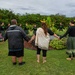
34	28
71	40
42	31
26	28
8	26
3	29
61	27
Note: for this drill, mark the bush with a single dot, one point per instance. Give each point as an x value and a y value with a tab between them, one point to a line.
61	32
58	44
57	31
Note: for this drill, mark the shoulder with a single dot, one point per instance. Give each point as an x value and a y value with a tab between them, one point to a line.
39	28
49	30
70	27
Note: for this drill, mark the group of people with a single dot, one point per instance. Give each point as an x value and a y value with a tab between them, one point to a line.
16	36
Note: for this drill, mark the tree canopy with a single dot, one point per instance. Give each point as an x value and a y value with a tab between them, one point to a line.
53	20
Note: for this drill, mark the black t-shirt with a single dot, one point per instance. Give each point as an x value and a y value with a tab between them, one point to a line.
34	30
70	32
49	31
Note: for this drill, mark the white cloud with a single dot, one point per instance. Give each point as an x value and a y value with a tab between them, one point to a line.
40	6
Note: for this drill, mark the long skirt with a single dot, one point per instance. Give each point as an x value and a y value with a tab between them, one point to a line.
71	46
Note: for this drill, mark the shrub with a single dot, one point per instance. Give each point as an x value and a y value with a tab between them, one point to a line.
58	44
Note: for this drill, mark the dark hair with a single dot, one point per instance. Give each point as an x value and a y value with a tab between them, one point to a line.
72	21
44	27
13	21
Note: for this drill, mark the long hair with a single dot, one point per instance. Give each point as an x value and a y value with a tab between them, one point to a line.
44	27
72	21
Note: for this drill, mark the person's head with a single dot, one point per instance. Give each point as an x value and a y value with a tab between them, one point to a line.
34	25
2	24
72	23
44	26
8	24
60	23
26	23
13	21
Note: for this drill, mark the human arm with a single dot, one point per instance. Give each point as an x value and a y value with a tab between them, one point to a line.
5	37
52	33
32	38
27	38
65	33
55	35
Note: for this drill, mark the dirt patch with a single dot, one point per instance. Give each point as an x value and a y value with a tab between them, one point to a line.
32	47
29	46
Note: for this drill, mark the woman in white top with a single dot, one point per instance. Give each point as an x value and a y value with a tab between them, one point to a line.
42	39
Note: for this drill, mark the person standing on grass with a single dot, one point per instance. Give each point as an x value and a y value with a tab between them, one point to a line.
61	27
34	28
26	29
3	29
16	36
70	41
42	39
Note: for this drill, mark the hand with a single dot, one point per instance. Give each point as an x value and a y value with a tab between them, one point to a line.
32	38
3	39
29	41
58	37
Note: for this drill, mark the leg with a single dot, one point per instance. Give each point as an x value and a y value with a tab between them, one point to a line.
70	55
73	52
14	60
44	55
20	55
69	48
38	54
20	60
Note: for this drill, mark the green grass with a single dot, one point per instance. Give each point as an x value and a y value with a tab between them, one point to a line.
56	63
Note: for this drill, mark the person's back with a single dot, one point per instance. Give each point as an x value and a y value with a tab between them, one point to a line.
72	31
42	40
70	40
15	36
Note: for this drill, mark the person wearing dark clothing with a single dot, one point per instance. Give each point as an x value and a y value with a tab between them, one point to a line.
42	39
61	27
1	38
3	29
26	28
34	29
16	36
8	26
71	40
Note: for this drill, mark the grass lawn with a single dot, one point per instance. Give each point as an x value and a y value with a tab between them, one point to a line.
56	63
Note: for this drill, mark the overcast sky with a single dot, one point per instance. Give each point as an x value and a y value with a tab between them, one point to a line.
47	7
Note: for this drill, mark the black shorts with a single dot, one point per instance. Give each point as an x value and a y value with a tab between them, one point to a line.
16	53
